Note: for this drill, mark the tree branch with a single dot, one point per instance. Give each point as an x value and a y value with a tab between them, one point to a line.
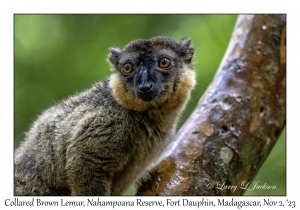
236	122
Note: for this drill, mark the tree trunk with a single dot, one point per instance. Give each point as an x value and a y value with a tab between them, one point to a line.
236	122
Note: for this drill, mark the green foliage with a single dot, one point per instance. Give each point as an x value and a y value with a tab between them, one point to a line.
59	55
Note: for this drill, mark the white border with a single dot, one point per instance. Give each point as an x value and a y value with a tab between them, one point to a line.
8	8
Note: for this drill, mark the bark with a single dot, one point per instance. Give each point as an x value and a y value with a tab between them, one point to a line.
236	122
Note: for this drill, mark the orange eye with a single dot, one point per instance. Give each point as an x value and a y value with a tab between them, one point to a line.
127	68
164	62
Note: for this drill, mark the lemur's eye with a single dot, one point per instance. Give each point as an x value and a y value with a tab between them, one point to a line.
127	68
164	63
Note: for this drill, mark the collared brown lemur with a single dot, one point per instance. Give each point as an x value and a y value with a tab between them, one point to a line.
99	142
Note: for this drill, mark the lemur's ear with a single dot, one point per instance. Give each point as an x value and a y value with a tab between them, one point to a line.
187	49
114	54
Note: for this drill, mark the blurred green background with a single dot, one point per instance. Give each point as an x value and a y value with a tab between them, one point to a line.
56	56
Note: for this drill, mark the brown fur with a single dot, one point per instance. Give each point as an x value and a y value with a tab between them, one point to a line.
100	141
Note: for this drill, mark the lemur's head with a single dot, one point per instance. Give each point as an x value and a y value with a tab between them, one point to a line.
149	73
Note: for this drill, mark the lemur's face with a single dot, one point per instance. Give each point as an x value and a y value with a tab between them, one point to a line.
150	68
